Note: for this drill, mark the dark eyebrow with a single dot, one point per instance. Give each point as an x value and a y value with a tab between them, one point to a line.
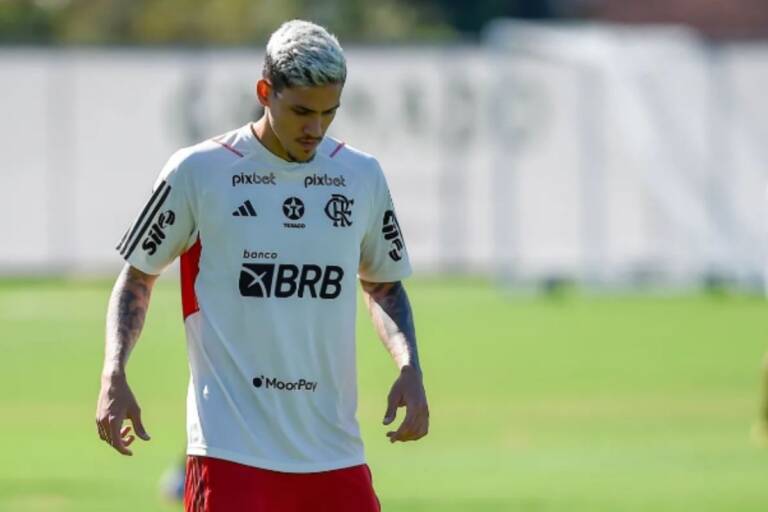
310	111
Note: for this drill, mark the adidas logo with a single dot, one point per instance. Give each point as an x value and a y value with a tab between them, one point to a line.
245	210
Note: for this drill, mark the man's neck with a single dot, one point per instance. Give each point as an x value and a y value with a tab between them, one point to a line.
266	136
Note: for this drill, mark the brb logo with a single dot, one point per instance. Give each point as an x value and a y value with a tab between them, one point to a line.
281	385
157	232
391	232
339	210
266	280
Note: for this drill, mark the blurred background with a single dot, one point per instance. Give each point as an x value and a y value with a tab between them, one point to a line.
582	186
603	142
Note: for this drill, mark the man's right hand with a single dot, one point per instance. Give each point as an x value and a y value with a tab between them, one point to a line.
117	403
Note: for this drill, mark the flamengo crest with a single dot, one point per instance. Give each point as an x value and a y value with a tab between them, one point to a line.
339	210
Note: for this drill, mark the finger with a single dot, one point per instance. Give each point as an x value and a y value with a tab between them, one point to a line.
112	428
120	446
419	426
391	412
420	432
401	434
104	430
138	426
100	430
412	428
115	439
126	437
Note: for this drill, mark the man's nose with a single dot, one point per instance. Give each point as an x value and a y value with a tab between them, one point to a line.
314	127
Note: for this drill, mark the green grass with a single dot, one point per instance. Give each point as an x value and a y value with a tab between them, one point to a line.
578	404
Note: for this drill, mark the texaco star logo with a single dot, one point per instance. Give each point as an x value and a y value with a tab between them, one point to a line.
293	208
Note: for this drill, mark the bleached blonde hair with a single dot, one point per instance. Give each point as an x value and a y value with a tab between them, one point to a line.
303	54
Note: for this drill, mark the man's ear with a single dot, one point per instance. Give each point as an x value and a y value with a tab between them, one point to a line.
263	92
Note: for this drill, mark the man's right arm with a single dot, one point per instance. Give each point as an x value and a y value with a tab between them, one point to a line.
126	312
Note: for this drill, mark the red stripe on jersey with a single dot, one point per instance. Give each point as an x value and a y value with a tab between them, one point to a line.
224	144
338	148
190	267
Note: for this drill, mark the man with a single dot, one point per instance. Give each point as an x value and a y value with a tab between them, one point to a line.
272	221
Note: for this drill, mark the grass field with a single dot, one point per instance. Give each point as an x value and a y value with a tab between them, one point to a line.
578	404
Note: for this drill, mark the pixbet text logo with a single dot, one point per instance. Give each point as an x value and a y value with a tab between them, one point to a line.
324	181
281	385
157	232
266	280
253	179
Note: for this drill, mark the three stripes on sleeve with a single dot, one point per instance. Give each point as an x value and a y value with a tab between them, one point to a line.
140	226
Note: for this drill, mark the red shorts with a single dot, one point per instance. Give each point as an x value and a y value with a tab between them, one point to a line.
215	485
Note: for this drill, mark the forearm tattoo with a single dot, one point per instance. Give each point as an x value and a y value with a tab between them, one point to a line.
125	316
393	319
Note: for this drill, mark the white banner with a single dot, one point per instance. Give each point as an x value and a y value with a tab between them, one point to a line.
600	154
85	132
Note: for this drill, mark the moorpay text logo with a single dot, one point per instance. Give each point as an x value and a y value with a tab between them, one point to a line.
281	385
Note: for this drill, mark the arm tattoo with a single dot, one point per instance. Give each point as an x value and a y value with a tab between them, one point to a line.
393	319
125	316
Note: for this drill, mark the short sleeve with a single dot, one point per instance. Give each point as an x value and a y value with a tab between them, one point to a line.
383	255
164	227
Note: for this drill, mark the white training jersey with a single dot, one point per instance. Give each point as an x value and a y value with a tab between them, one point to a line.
270	253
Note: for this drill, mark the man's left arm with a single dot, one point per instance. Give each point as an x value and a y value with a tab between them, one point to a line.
393	319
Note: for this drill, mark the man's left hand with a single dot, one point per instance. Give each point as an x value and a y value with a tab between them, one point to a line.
408	391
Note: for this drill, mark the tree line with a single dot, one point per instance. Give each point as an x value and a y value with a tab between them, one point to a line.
245	22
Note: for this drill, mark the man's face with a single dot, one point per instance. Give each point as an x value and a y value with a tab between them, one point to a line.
300	116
